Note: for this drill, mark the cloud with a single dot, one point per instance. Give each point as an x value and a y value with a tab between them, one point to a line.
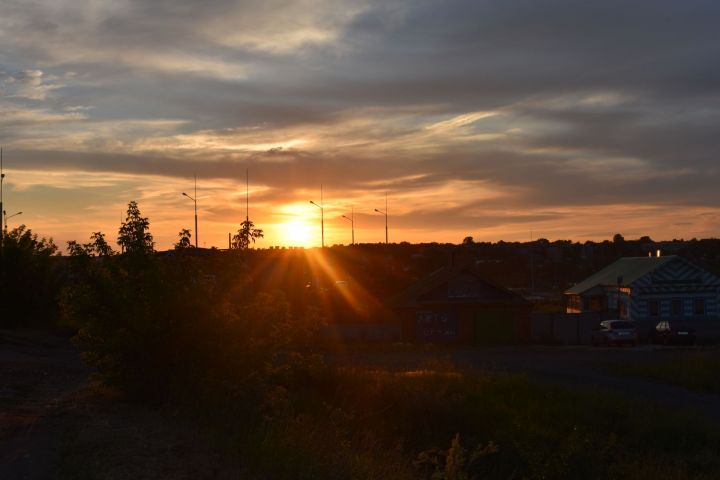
492	115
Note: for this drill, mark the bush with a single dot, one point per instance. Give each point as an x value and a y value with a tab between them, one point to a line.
29	279
181	327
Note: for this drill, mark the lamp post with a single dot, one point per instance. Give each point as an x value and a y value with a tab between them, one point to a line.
386	219
9	216
194	201
2	233
352	224
322	218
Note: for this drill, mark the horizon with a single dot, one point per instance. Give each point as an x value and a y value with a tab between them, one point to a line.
475	119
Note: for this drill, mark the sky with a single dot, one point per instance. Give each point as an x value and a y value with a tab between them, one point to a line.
498	119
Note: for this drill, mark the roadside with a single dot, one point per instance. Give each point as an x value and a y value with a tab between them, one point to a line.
576	367
39	372
56	424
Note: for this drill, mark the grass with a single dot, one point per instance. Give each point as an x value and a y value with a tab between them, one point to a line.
697	370
378	424
438	422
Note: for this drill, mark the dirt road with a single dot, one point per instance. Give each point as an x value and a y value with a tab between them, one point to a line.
39	373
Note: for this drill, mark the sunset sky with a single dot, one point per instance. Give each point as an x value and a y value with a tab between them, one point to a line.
494	119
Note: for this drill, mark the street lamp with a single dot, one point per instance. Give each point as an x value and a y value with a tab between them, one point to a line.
9	216
352	224
2	177
322	218
386	219
195	201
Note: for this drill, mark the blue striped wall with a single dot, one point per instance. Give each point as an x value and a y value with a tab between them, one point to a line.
678	279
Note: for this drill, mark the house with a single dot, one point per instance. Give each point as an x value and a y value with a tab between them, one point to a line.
648	289
455	304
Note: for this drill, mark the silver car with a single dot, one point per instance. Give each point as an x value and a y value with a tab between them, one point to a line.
615	332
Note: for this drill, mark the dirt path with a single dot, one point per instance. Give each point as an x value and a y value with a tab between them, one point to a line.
39	373
55	424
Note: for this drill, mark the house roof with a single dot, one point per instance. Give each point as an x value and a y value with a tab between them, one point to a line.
413	295
627	270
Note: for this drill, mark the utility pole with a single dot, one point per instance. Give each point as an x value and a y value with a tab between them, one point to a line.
352	223
2	232
194	199
196	230
386	218
532	265
322	217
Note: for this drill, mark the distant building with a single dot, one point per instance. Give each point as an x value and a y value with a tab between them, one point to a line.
648	289
455	304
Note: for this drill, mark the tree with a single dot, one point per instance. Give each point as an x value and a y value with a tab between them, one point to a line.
134	235
617	238
29	278
468	241
246	234
98	247
184	240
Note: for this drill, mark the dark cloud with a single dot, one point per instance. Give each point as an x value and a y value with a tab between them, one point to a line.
595	103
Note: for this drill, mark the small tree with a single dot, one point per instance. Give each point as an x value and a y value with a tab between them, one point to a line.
134	235
29	279
246	234
97	247
100	245
184	239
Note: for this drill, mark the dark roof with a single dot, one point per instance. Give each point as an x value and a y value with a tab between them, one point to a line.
626	269
412	296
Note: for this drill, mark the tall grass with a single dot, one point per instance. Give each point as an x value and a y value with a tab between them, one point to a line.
469	424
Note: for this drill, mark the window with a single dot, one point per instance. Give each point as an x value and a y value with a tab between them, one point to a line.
653	308
676	307
699	306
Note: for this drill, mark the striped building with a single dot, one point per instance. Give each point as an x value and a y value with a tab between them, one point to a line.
648	290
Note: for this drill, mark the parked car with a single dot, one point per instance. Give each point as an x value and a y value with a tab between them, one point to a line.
615	332
674	333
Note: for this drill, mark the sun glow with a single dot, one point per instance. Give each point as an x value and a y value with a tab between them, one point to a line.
297	228
296	233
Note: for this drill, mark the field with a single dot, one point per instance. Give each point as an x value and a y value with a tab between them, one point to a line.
433	415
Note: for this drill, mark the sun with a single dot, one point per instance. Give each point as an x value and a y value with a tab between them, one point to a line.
296	233
297	226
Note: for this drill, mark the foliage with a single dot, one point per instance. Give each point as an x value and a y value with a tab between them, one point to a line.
246	235
177	326
29	278
134	235
184	239
98	246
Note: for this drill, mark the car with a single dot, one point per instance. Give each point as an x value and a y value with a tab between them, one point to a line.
670	332
615	332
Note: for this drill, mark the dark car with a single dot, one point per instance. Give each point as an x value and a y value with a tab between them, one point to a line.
615	332
674	333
